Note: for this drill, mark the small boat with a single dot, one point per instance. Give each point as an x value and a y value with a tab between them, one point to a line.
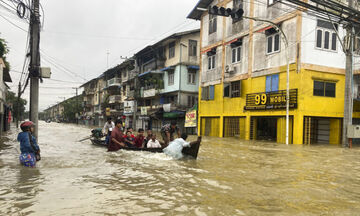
189	151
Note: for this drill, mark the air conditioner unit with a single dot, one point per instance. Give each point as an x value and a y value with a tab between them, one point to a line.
230	69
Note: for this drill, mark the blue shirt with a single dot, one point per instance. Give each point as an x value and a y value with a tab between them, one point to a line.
25	146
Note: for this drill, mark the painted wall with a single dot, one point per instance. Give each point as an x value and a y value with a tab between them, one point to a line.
185	58
312	55
185	86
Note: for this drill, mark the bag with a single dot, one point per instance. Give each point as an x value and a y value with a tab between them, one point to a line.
37	153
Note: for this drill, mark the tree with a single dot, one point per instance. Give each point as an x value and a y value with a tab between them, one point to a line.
3	51
71	108
11	98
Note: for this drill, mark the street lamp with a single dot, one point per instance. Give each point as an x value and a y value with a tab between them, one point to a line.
287	69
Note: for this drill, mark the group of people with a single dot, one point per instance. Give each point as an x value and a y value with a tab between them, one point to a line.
116	138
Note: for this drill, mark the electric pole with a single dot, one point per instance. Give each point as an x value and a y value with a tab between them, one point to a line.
34	63
77	104
348	99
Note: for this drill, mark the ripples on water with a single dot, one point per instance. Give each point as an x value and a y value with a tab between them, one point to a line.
230	177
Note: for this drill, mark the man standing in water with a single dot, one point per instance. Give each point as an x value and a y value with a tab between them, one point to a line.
108	127
175	147
167	132
117	137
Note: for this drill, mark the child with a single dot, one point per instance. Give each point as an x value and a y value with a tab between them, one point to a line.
129	140
30	151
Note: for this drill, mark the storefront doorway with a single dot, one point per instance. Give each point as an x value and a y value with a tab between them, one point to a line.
266	129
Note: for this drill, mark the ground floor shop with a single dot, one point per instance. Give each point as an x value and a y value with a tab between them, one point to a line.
309	130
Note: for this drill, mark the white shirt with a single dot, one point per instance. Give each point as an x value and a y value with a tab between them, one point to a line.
107	126
153	144
175	148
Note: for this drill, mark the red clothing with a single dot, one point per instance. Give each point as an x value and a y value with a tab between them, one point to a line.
132	136
139	140
116	134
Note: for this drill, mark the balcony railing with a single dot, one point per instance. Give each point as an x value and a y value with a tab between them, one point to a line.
114	82
115	99
90	91
130	94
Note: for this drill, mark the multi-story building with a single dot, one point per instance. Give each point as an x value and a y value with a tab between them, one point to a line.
89	100
167	81
5	109
243	74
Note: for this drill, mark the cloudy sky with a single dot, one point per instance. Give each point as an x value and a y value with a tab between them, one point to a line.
79	37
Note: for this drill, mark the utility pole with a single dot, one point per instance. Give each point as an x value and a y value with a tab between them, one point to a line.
348	99
34	63
18	106
77	104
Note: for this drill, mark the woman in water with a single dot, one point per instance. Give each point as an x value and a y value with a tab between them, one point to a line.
30	151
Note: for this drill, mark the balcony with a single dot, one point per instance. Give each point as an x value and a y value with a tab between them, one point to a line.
130	94
90	91
149	93
115	99
114	82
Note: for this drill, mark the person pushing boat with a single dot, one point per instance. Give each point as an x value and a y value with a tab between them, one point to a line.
175	147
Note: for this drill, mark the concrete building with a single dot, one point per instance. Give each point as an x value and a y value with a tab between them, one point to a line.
5	108
243	74
167	81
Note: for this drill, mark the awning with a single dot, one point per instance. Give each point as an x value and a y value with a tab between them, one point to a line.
167	68
148	72
174	114
195	67
143	74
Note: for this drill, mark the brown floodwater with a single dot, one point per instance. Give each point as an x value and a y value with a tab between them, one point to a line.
230	177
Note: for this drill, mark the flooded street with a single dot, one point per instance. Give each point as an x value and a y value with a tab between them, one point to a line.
230	177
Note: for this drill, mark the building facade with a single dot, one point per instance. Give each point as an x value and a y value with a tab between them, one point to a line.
243	74
5	108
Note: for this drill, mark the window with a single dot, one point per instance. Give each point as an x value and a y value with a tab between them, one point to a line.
273	41
326	38
271	2
211	62
272	83
171	76
192	48
191	77
171	50
208	93
326	89
232	89
191	100
212	23
236	54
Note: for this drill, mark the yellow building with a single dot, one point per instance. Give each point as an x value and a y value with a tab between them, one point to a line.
243	74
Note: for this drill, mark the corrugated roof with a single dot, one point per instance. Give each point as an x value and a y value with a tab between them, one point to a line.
195	13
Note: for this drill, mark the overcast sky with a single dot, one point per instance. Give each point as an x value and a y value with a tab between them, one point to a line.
77	35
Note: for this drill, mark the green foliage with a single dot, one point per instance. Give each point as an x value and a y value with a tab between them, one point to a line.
3	48
3	51
11	98
71	107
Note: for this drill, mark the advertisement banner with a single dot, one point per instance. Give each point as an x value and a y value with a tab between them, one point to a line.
143	111
128	107
190	119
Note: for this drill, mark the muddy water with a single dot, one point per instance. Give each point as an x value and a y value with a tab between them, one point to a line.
230	177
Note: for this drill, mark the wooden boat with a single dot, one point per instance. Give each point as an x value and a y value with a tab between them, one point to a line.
188	151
